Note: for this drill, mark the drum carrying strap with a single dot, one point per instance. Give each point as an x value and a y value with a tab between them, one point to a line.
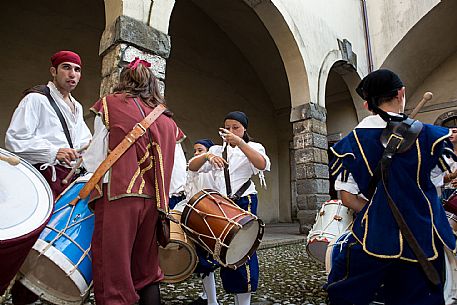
402	138
138	130
228	185
43	89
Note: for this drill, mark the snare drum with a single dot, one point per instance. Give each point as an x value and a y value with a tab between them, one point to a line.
25	207
179	258
229	233
59	267
331	221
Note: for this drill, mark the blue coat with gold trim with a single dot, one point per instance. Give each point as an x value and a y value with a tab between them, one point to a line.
409	185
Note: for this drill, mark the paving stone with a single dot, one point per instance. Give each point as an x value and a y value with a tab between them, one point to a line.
287	276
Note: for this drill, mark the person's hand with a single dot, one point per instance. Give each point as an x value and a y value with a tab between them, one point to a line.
216	161
454	183
66	155
231	138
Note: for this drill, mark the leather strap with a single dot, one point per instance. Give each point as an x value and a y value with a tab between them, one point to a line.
138	130
43	89
228	185
241	191
384	164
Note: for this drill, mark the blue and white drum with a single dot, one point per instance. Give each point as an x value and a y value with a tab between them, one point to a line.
59	267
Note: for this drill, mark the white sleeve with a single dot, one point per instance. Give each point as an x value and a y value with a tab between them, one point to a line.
83	132
261	150
437	176
349	186
98	149
20	137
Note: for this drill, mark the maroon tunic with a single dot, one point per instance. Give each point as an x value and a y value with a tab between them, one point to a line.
124	244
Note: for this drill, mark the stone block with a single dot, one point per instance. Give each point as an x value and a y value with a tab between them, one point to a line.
310	125
312	171
133	32
308	111
312	186
310	155
310	139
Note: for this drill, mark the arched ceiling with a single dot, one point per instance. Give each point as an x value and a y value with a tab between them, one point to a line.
246	30
428	44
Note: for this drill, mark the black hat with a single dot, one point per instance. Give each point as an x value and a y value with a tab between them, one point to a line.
205	142
238	116
379	83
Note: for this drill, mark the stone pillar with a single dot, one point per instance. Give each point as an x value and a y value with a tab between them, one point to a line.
311	161
126	39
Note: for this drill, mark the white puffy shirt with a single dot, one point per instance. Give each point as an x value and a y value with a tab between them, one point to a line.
35	132
240	168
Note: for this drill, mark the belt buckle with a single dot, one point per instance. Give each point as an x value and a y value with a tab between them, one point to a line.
143	130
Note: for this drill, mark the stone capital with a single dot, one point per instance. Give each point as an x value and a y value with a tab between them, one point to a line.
308	111
133	32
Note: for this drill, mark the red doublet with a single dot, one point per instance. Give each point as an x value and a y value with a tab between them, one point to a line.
124	244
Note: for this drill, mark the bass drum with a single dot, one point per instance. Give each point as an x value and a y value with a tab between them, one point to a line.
59	266
25	207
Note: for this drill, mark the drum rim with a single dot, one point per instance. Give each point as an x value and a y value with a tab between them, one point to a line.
45	193
65	265
254	246
228	238
188	271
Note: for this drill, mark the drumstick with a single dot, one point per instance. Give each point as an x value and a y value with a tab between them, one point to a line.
72	172
427	97
12	160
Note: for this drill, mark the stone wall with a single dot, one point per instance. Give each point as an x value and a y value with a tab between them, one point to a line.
310	162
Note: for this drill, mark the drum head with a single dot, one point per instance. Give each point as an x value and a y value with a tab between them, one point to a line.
177	261
25	198
243	242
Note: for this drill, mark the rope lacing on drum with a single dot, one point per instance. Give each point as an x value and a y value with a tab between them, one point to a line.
336	217
63	233
231	222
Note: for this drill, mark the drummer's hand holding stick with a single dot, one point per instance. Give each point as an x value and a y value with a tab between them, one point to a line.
76	165
253	156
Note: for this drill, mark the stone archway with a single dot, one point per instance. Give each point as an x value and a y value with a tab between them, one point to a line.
426	60
216	66
32	32
448	119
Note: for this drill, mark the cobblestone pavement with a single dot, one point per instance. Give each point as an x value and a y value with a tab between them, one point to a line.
287	276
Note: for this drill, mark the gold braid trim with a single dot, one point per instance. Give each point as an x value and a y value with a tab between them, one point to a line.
137	172
142	176
439	140
105	111
362	152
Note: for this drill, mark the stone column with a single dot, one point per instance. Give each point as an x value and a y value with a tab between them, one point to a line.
311	161
126	39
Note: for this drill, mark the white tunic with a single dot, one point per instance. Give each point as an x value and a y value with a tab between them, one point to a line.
35	132
240	168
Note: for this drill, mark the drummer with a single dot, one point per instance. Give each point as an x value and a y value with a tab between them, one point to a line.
125	240
206	264
245	159
378	252
37	134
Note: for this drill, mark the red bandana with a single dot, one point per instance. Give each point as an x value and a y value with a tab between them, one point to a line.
65	56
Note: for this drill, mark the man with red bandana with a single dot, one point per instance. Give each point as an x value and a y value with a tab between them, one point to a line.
38	135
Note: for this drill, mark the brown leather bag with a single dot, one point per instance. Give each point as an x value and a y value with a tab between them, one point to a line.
163	229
